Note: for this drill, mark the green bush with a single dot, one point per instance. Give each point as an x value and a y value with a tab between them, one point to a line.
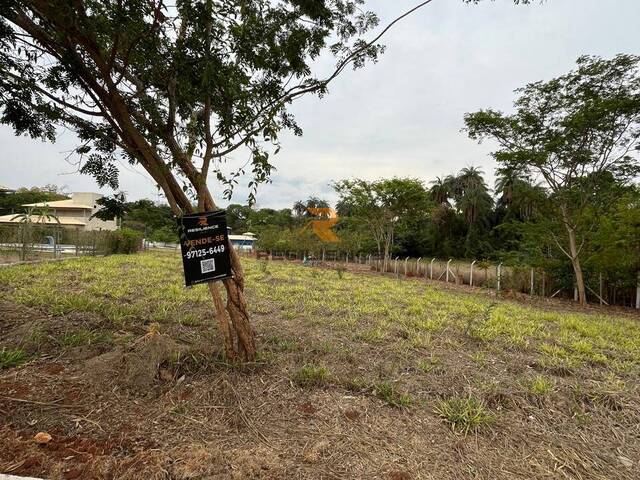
124	240
164	234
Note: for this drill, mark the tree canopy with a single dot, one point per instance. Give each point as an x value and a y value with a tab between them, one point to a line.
579	133
174	88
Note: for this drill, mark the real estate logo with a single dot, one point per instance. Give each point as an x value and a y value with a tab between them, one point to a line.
322	227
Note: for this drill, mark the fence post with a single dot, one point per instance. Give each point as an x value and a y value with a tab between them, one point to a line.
418	267
471	274
395	266
431	269
499	276
448	269
638	292
405	266
544	283
532	280
347	258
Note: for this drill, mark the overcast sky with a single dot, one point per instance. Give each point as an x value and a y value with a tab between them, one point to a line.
403	115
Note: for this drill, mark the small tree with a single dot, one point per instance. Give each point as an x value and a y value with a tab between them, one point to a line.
576	132
380	205
27	220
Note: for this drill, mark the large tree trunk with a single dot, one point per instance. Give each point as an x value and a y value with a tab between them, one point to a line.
238	312
234	323
233	320
575	262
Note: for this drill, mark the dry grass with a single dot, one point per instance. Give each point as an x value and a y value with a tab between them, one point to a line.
359	376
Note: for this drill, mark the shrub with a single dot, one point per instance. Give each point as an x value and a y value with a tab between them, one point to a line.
124	240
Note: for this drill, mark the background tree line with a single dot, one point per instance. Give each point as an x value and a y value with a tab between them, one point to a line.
460	217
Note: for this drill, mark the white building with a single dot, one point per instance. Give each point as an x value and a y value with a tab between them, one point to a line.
75	212
245	242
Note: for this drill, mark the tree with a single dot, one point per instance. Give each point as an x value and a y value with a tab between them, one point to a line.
176	89
304	209
575	132
111	207
238	217
148	218
442	190
471	194
518	194
27	220
12	202
615	243
380	205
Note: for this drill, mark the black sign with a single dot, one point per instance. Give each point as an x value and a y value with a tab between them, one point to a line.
205	247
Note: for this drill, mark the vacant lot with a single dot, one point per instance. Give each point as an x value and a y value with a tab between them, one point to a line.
359	376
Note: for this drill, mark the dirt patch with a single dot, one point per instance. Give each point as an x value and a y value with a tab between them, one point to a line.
137	366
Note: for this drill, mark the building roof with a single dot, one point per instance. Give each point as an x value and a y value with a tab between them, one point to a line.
245	238
60	204
64	221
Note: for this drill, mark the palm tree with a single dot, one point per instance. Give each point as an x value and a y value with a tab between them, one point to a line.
519	193
470	177
27	219
475	203
505	184
442	189
472	194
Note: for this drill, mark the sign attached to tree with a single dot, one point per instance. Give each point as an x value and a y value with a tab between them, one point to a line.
205	247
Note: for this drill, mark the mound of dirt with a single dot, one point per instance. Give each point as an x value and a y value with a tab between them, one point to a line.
135	367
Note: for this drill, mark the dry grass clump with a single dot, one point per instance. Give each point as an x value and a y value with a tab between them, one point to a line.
387	391
464	414
310	375
11	357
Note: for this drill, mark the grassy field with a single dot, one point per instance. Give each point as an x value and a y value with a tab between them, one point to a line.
359	376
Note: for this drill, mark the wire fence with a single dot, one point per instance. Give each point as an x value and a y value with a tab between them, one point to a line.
39	242
482	274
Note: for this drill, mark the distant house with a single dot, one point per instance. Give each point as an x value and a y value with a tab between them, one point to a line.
246	241
75	213
4	189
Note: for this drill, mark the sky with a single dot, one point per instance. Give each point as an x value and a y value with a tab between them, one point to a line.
401	116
